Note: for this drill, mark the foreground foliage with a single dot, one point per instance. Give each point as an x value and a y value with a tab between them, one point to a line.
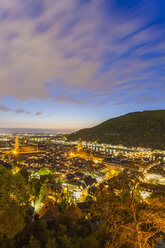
130	221
14	201
125	219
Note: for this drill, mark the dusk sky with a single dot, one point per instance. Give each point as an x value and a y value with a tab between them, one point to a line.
71	64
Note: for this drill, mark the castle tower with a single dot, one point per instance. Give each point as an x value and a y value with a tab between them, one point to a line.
16	144
80	147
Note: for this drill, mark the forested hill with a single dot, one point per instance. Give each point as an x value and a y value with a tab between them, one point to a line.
144	129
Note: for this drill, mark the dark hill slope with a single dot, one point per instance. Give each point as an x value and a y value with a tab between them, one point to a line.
145	129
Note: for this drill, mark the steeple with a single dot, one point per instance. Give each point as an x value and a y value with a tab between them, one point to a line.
16	144
80	147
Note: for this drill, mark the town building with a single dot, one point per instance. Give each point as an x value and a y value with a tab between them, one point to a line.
84	154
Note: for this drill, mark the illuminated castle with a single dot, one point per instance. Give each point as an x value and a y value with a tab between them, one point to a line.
81	153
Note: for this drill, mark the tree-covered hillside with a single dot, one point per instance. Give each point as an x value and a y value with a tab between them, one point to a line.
145	129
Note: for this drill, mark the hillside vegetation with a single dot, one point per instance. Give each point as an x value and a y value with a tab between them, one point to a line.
144	129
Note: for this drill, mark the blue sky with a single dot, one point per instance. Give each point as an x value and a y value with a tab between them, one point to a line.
73	64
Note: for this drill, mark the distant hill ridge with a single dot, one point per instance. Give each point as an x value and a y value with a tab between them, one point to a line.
144	129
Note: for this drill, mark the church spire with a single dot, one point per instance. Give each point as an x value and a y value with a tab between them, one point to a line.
16	144
80	147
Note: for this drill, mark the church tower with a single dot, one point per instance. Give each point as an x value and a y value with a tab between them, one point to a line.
80	147
16	144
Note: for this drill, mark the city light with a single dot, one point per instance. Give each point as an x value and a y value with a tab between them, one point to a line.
77	194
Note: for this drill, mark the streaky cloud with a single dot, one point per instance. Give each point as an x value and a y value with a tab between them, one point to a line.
38	113
4	108
98	54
